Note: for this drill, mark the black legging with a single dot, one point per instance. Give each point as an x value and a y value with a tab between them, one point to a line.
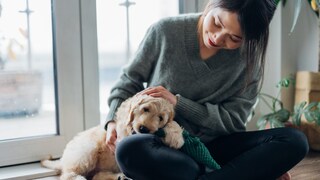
255	155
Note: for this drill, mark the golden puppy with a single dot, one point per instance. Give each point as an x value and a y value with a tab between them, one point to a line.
146	114
87	155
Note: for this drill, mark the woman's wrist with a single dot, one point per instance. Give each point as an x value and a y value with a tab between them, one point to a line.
108	122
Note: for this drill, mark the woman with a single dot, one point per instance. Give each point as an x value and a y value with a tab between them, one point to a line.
209	66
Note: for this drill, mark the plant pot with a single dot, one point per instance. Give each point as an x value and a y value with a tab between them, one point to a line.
20	93
308	89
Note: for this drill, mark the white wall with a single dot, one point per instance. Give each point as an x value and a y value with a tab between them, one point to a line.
302	45
289	52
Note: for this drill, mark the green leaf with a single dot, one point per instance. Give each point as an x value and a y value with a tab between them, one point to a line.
274	123
296	14
276	119
285	82
263	120
261	123
312	112
317	120
311	106
298	111
309	116
283	115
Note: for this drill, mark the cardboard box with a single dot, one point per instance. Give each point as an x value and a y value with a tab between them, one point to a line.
307	87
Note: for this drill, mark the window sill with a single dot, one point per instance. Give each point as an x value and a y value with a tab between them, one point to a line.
26	171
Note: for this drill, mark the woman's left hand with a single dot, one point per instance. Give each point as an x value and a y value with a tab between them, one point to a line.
160	91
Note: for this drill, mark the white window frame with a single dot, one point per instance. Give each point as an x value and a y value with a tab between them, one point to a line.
77	83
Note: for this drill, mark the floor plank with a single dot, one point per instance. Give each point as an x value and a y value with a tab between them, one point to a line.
308	168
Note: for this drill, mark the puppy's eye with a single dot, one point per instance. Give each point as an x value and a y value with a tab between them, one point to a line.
160	118
146	109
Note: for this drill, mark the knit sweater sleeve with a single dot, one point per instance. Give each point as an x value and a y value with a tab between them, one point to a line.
214	120
139	71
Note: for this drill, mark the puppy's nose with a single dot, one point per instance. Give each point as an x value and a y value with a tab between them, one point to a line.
143	129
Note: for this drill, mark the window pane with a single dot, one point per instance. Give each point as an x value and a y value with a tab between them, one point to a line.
27	96
115	49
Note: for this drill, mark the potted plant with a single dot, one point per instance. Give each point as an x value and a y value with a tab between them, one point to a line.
305	116
278	115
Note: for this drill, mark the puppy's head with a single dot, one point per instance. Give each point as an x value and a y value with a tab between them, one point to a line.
148	114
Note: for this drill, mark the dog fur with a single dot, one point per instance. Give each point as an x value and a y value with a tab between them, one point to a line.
87	156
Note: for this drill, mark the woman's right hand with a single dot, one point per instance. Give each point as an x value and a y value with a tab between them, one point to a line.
111	136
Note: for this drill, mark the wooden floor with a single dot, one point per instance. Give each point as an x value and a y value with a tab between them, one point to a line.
308	168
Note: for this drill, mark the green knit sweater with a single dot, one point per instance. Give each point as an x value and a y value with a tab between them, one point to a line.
211	101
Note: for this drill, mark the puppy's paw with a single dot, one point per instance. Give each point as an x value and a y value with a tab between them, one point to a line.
123	177
46	158
173	137
51	164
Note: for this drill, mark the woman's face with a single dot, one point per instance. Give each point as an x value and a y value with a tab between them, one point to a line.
221	30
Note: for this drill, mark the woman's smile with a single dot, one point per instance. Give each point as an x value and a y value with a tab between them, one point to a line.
212	43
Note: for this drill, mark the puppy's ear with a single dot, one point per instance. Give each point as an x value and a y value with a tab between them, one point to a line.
171	115
130	116
135	102
170	110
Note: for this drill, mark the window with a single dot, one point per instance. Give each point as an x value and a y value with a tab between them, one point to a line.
50	47
27	97
119	35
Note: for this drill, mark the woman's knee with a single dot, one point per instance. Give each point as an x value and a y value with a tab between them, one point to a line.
297	141
131	148
144	156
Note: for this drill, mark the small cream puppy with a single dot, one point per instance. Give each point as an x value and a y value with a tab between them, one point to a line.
87	156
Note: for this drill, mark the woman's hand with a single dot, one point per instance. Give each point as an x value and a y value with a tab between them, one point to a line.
111	136
160	91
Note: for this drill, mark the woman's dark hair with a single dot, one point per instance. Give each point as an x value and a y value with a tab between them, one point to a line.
254	17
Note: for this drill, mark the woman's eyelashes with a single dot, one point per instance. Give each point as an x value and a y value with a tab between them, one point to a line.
216	22
235	39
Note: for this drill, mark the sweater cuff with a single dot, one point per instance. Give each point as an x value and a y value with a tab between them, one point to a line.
112	111
182	105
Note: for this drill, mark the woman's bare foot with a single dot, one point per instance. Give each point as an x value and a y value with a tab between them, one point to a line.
285	176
